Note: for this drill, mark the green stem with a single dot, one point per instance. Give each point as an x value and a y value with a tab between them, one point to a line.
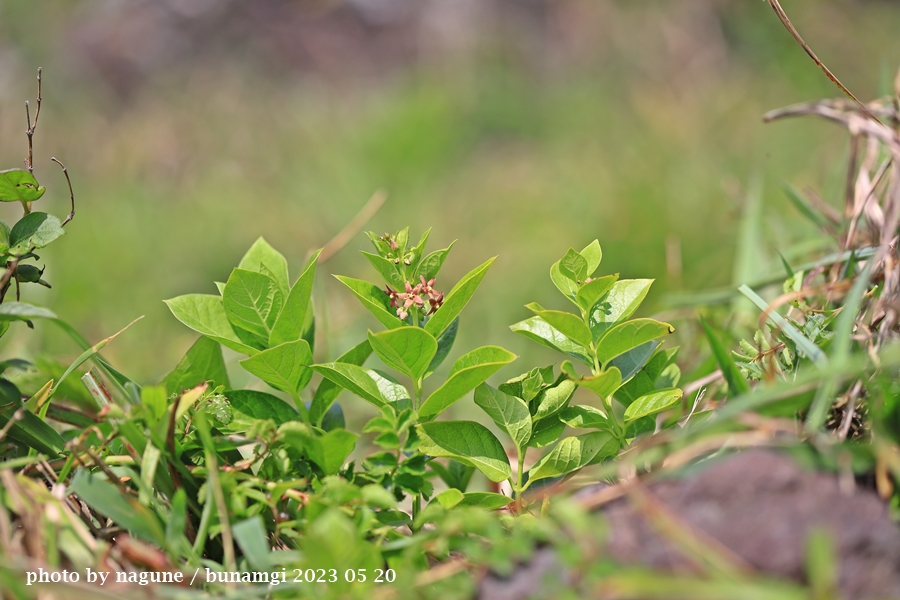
520	471
301	407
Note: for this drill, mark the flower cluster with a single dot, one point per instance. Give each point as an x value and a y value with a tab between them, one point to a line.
415	296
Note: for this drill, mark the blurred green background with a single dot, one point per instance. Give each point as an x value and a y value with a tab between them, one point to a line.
520	127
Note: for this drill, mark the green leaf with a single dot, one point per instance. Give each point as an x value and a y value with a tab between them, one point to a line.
632	361
249	406
4	237
542	332
388	270
432	263
567	286
737	385
34	230
584	417
527	385
509	413
806	209
604	384
202	362
30	430
467	442
355	379
252	301
407	349
448	499
546	431
285	367
592	254
252	539
328	451
457	299
653	403
571	454
22	311
205	313
328	391
573	266
551	400
419	250
126	512
803	343
591	292
631	334
263	258
566	323
374	299
444	345
467	372
18	185
290	323
486	500
619	303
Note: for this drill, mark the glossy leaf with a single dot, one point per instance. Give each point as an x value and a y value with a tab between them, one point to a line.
328	391
202	362
592	254
619	303
511	414
571	454
631	334
467	442
18	185
206	314
263	258
486	500
591	292
33	231
22	311
249	406
291	321
604	384
553	399
355	379
387	269
457	299
546	431
374	299
573	266
285	367
584	417
653	403
406	349
542	332
566	323
467	373
634	360
444	345
449	499
568	287
431	264
252	301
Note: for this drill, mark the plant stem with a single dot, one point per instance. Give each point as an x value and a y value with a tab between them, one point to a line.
520	468
301	407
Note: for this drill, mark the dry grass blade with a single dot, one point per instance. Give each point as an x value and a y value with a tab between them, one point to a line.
354	226
776	6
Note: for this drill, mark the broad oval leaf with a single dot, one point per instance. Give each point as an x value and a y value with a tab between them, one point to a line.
249	406
467	372
573	266
566	323
328	391
486	500
448	499
328	451
407	349
571	454
285	367
205	313
467	442
619	303
386	268
374	299
584	417
567	286
591	292
634	360
631	334
551	400
289	325
592	254
509	413
34	230
457	299
202	362
546	431
432	263
22	311
444	345
252	301
18	185
263	258
542	332
604	384
653	403
365	383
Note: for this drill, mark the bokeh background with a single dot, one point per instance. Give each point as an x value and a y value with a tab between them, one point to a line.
518	127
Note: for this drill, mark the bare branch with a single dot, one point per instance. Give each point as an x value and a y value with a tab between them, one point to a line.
29	161
71	193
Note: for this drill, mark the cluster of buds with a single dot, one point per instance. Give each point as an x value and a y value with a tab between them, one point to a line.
415	296
394	246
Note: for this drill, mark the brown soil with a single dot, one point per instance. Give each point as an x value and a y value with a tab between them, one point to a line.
760	507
